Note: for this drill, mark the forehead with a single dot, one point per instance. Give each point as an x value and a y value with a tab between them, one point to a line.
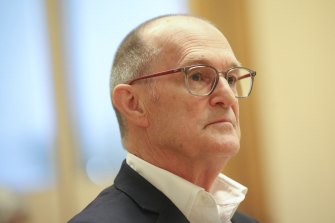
185	41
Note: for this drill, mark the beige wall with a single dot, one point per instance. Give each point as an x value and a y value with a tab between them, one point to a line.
293	49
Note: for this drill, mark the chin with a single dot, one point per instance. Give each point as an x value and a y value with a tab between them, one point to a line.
228	148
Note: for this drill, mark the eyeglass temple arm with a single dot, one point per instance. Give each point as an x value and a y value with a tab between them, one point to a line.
251	74
155	75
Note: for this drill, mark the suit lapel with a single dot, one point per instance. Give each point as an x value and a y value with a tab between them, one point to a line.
147	196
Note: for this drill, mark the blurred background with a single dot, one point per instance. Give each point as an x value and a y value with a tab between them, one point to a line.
59	139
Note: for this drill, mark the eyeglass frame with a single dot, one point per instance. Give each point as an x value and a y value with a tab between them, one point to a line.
185	69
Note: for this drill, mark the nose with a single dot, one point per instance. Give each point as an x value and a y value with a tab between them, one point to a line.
223	94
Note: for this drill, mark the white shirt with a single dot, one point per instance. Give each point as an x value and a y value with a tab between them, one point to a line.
198	205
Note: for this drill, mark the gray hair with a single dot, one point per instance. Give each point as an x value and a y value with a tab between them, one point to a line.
132	59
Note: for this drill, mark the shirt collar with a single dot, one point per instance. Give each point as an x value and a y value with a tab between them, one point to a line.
221	202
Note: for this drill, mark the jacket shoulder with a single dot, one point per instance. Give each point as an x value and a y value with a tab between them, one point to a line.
113	206
242	218
131	199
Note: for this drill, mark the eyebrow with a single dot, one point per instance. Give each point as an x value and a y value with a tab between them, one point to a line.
204	61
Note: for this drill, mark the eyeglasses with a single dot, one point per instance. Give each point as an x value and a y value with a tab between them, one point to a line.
201	80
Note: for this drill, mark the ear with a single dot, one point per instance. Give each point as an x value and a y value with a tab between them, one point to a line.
126	100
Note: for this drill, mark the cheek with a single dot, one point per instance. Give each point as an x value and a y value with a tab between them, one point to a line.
164	112
173	108
237	116
236	110
238	130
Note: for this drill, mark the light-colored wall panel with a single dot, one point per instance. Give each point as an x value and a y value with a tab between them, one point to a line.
292	46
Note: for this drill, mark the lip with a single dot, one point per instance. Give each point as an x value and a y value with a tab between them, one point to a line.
221	121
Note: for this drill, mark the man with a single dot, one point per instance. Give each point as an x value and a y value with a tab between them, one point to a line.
175	86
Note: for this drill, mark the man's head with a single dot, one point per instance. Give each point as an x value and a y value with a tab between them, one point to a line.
159	113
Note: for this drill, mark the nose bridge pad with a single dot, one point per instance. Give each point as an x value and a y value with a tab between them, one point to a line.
222	76
224	84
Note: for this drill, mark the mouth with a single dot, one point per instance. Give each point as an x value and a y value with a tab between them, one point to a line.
223	122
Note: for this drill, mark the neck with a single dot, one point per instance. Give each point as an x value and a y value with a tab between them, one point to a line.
201	171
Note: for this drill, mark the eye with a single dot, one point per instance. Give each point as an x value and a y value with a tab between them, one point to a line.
231	80
203	76
197	76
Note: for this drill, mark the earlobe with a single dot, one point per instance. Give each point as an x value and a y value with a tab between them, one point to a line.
126	100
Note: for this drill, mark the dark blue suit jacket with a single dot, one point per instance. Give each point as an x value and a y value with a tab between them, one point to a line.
132	199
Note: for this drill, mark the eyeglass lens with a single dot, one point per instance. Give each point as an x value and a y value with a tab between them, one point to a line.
201	80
